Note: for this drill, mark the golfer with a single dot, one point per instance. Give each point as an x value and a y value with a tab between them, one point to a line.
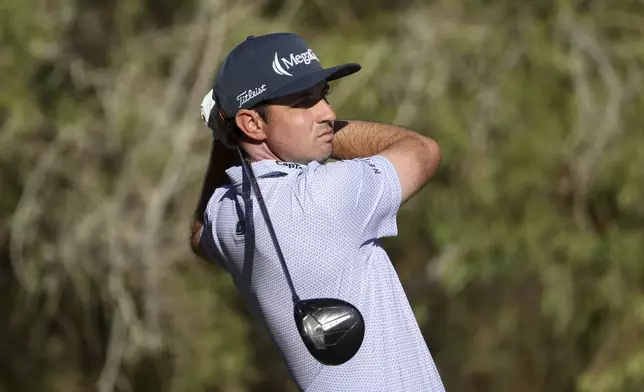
269	98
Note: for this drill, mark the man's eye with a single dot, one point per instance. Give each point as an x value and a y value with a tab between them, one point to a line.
307	102
310	100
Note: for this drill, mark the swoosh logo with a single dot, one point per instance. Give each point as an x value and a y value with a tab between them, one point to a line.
278	68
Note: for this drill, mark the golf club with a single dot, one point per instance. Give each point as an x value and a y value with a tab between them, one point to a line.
332	329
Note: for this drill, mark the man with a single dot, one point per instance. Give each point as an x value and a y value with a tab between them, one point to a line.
269	98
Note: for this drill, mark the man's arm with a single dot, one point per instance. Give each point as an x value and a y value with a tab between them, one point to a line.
415	157
221	158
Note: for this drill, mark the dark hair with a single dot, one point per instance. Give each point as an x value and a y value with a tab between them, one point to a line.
262	109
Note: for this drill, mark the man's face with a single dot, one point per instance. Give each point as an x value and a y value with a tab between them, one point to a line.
299	127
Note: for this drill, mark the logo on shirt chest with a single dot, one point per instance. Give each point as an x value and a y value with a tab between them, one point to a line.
241	228
290	165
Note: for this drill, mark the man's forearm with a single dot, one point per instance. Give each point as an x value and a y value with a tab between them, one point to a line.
359	139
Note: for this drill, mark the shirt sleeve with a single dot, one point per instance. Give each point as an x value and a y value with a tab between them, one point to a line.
207	241
362	195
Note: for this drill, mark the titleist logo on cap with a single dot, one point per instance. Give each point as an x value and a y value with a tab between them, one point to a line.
250	94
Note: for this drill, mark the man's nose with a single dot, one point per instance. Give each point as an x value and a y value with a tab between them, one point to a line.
325	112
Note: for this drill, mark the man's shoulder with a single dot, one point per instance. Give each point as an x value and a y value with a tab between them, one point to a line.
348	169
219	195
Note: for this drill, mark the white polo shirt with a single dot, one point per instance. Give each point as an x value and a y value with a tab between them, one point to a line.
328	219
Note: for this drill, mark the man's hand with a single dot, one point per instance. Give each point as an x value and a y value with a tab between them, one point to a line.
221	158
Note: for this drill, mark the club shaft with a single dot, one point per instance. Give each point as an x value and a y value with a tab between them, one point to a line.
262	206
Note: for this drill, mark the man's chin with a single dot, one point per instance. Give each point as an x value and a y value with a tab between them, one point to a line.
324	158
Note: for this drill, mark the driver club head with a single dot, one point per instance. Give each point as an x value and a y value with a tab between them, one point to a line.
331	329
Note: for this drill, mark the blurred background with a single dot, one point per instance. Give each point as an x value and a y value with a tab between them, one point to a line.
523	258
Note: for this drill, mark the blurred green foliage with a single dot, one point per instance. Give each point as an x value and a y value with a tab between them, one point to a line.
523	258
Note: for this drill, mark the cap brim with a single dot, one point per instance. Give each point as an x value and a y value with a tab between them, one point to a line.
310	80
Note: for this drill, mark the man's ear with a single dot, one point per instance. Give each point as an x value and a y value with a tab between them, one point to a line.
251	124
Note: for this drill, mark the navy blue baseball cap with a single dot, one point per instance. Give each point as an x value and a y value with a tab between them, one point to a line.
267	67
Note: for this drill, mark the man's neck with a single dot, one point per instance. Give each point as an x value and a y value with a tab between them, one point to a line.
259	152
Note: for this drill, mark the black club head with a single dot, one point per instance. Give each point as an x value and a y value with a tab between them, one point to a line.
332	329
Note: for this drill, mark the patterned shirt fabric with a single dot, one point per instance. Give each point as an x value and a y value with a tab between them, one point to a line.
328	219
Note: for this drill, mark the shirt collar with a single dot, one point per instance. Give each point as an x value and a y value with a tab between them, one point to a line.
265	168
